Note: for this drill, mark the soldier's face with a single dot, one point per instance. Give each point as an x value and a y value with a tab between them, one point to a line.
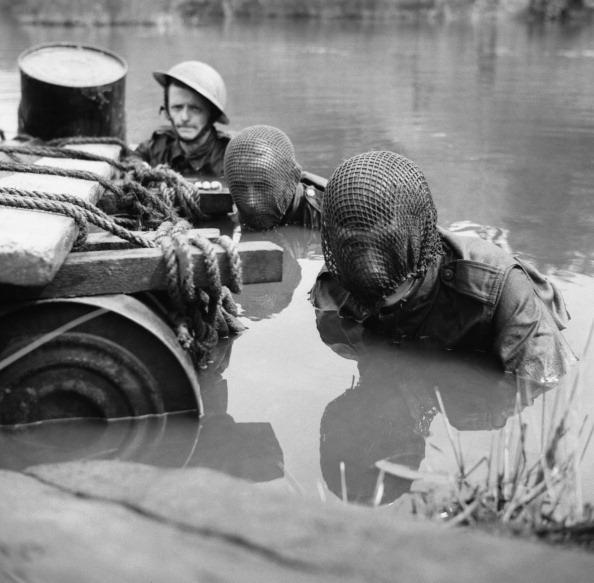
188	111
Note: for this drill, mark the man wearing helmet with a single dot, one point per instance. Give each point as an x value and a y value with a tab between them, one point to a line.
391	268
267	184
194	99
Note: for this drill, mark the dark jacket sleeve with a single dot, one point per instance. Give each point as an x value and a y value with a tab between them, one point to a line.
527	337
143	151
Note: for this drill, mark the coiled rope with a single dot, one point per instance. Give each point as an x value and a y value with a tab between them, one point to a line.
157	197
59	152
149	208
179	192
65	204
201	315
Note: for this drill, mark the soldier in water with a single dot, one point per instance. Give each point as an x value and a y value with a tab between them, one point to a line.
266	182
389	266
194	99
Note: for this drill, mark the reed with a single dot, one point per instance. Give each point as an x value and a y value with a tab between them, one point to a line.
531	491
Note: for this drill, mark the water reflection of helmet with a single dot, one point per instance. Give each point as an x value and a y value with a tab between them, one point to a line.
368	423
264	300
201	78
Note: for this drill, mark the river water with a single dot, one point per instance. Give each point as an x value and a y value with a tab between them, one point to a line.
497	113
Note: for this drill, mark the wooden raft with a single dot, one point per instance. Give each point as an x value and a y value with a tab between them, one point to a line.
35	258
33	245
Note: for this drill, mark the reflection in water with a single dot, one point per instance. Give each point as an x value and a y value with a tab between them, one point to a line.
388	413
264	300
499	114
246	450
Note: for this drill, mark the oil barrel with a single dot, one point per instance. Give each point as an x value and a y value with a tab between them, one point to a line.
71	90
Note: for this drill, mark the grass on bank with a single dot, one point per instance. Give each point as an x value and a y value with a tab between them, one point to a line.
511	490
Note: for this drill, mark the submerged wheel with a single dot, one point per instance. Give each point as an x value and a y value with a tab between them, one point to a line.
123	361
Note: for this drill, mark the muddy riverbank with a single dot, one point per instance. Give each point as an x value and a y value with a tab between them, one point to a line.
114	521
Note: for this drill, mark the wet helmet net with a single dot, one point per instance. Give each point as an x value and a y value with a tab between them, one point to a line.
262	174
379	225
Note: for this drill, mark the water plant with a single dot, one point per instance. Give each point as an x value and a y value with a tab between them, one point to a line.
530	482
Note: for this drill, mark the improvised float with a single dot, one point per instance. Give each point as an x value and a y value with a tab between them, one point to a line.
103	315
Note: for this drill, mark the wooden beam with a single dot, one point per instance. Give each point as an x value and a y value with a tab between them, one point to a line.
91	273
34	244
212	202
103	241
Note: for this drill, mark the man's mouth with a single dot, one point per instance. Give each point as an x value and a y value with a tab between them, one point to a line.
187	132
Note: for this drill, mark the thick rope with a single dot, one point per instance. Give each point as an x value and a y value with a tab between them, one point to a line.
202	315
152	210
236	283
56	207
69	205
68	173
172	186
58	152
76	140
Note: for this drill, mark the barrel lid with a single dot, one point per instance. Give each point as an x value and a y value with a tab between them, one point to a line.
72	65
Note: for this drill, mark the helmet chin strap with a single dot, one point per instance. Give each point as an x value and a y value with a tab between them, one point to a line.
198	139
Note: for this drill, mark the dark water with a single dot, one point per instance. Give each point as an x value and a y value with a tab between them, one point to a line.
500	117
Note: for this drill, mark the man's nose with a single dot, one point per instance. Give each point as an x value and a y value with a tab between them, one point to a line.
251	195
185	113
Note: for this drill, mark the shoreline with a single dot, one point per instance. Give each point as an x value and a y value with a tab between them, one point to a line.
194	12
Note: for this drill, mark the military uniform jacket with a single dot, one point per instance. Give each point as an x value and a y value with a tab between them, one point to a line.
163	147
306	208
479	297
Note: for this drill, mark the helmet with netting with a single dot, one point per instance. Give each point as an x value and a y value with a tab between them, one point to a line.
379	225
369	422
262	173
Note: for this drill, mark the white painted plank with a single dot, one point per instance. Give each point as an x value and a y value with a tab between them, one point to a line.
34	244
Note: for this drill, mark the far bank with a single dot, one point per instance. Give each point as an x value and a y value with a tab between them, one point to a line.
164	12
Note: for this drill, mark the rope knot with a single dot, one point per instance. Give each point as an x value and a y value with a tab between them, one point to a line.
208	312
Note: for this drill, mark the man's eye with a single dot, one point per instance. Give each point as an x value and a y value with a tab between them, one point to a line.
195	109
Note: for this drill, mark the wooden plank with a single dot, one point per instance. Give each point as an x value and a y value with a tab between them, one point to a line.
103	241
212	202
91	273
34	244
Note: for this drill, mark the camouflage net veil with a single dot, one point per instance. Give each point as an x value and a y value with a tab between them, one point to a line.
262	173
379	225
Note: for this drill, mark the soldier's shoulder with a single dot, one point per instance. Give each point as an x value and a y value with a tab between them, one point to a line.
163	132
225	135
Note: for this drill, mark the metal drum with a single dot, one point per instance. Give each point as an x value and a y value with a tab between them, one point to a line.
103	356
71	90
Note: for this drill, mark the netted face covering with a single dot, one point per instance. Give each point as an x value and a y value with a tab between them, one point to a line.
379	225
262	174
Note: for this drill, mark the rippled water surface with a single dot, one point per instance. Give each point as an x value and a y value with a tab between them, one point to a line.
500	117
